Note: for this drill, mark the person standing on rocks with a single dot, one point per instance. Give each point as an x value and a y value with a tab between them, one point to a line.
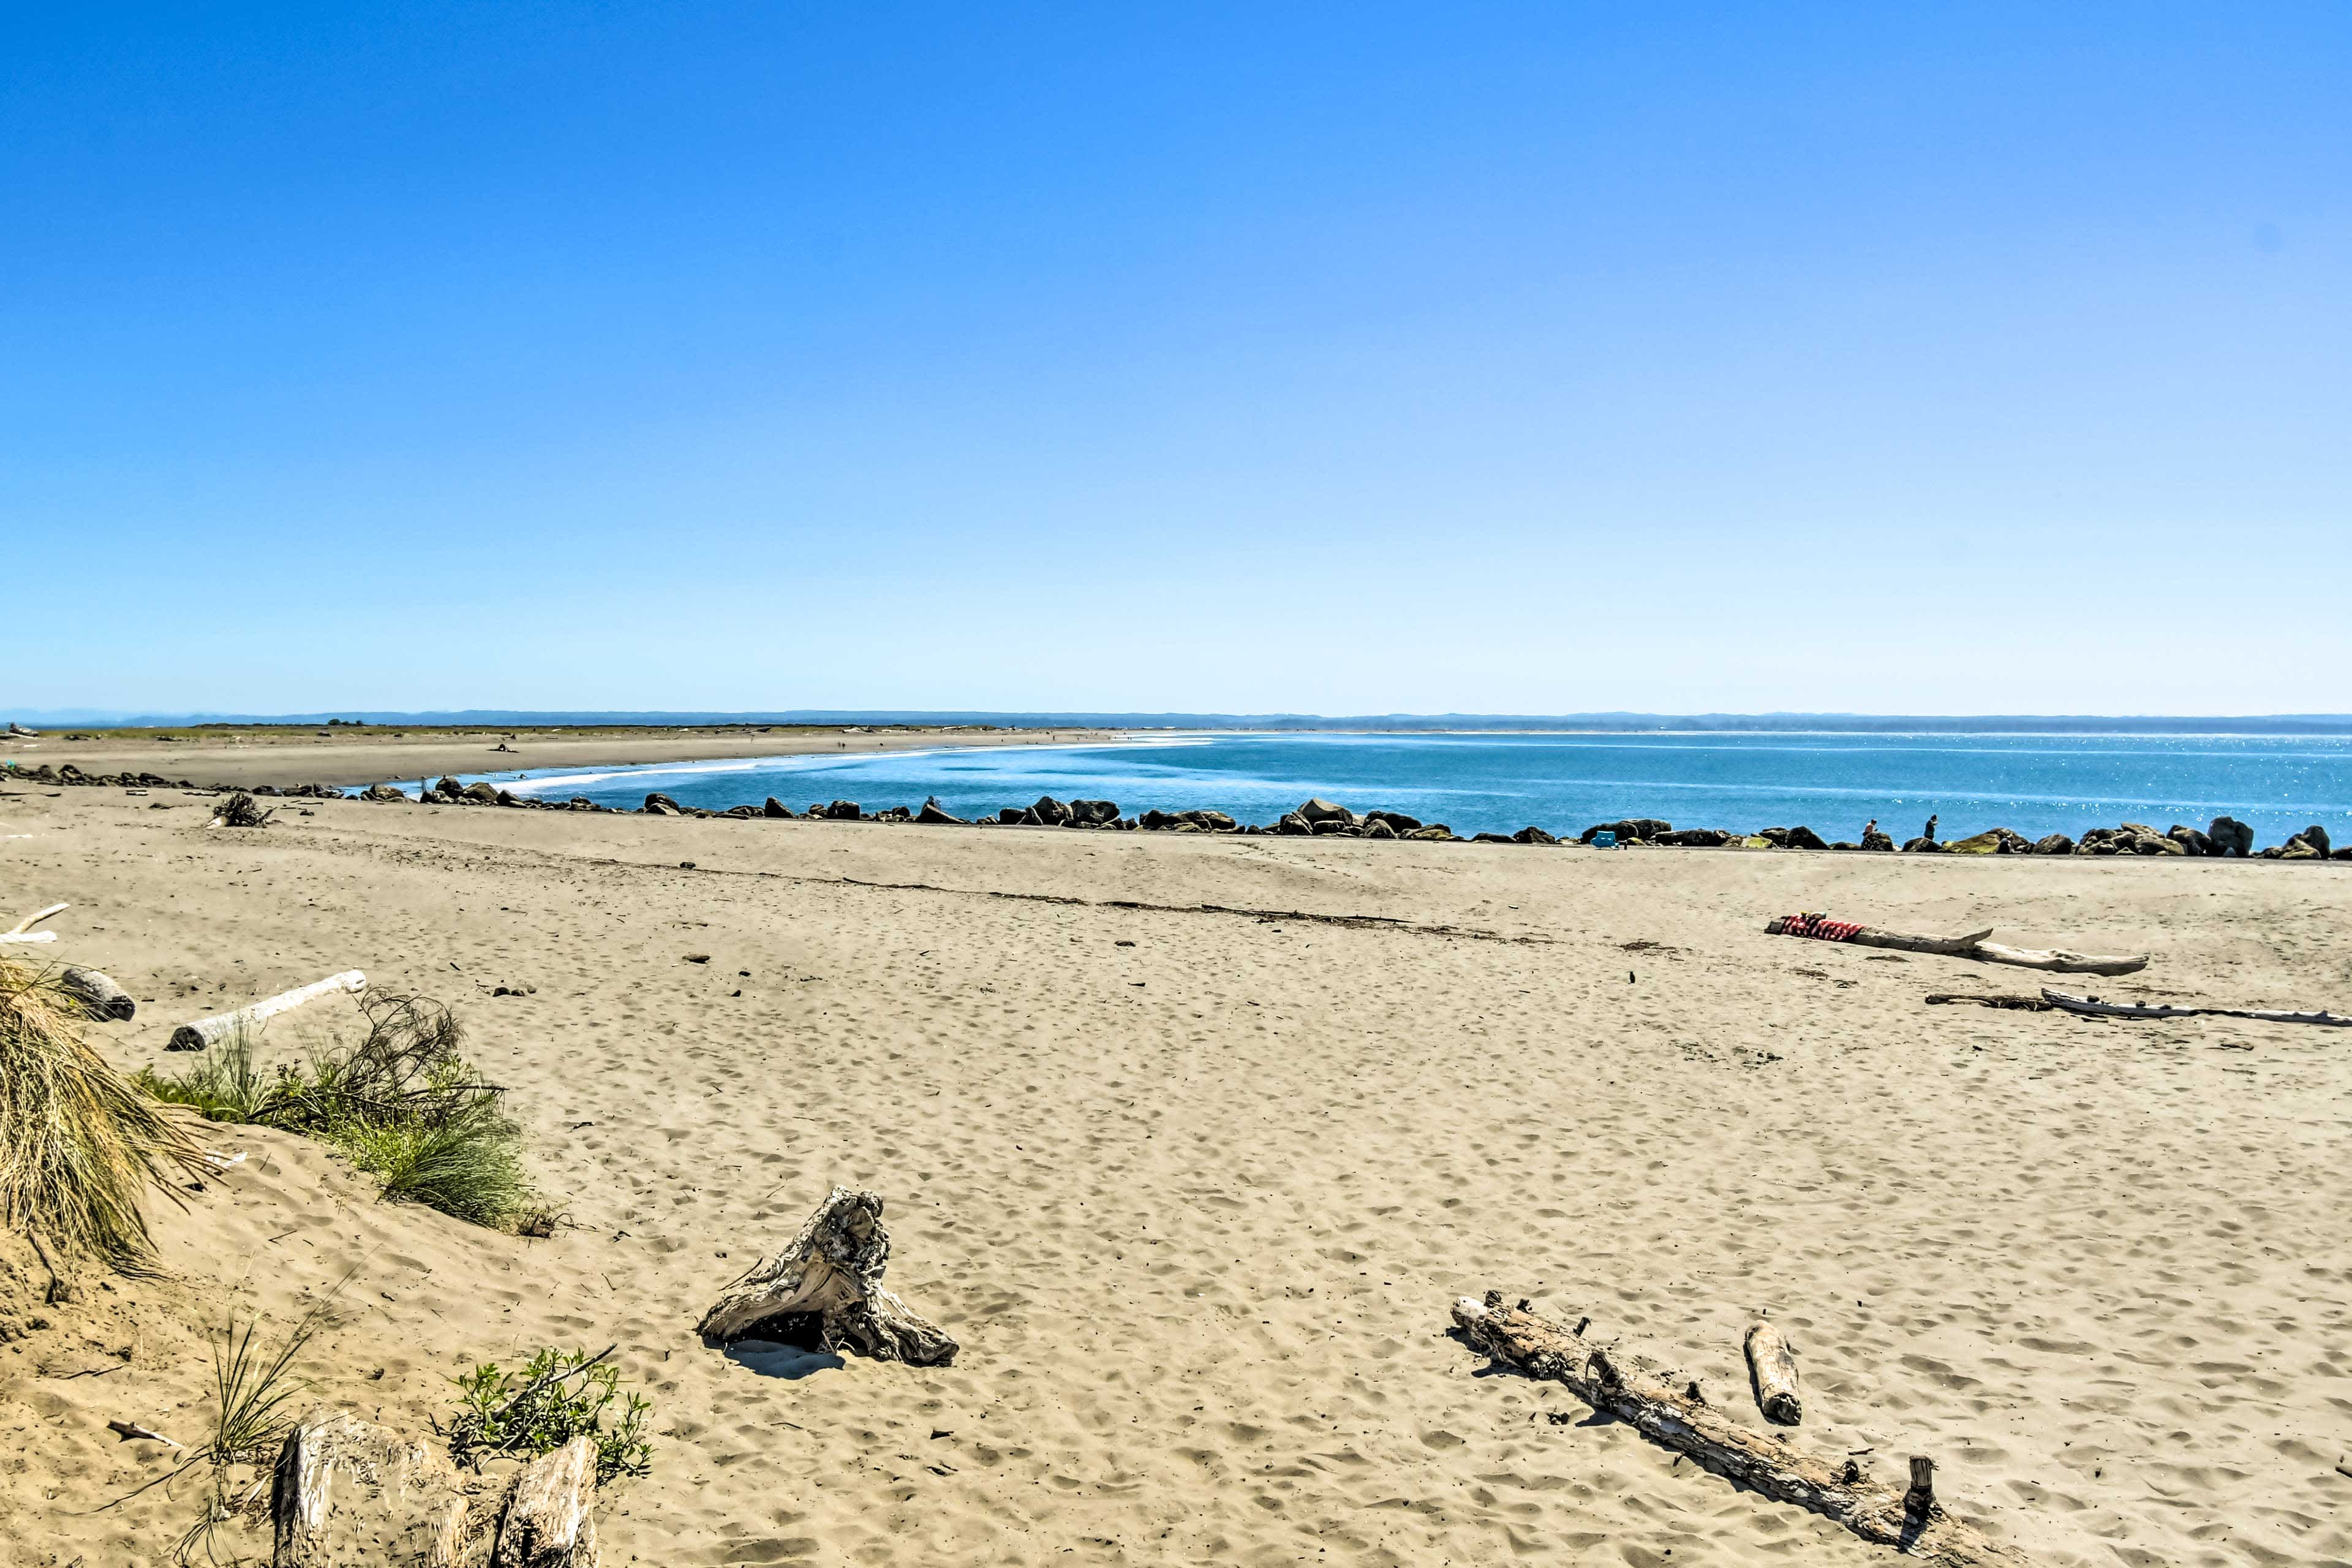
1868	828
1928	832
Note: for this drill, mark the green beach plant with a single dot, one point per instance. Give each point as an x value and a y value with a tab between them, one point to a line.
537	1408
402	1105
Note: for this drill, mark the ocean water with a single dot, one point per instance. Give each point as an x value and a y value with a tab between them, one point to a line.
1831	783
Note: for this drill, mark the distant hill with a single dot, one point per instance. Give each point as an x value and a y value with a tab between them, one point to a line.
1860	724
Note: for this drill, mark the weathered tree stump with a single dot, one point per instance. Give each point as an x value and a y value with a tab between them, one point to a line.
825	1289
1773	1367
1913	1522
349	1495
550	1519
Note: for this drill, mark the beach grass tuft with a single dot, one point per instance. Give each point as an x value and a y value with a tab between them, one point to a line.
79	1145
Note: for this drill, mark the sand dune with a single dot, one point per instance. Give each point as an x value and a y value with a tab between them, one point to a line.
1197	1206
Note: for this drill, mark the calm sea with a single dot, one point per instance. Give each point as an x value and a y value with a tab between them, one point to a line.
1831	783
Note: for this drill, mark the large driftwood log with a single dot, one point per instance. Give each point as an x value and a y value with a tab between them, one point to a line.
828	1279
1913	1522
1973	945
347	1494
204	1032
1772	1367
2092	1006
550	1519
97	993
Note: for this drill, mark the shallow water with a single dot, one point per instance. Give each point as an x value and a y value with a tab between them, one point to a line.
1831	783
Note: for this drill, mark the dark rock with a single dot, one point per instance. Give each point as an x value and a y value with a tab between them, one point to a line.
483	793
2231	837
1294	826
2189	838
1803	837
2317	836
1924	846
1532	835
1430	832
1778	837
934	813
383	792
659	805
451	786
843	811
1050	810
1845	843
1489	838
1694	838
1397	820
2054	844
741	813
1010	814
1331	827
1101	813
1376	828
1321	810
1210	821
775	808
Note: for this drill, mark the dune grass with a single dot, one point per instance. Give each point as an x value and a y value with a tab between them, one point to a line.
80	1144
404	1105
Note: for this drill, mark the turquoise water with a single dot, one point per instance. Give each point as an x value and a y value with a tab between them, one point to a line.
1828	782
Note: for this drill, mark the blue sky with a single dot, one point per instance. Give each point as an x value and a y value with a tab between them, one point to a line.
1312	358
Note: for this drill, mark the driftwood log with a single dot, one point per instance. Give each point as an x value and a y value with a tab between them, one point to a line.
1772	1368
205	1032
1973	945
825	1289
96	994
2091	1007
347	1493
550	1519
1912	1521
22	927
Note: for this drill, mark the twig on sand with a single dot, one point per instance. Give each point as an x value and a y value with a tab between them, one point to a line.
131	1429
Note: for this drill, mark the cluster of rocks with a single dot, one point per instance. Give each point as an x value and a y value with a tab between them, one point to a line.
2223	836
1318	818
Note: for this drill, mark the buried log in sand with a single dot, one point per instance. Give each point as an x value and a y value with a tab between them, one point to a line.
1912	1521
204	1032
1821	927
825	1286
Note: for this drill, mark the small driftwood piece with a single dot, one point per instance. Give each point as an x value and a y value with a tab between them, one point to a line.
1912	1522
346	1492
131	1429
825	1288
204	1032
2091	1007
1973	945
96	994
1772	1368
550	1519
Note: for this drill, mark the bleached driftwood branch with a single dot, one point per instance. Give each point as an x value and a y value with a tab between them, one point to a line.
1973	945
2092	1006
550	1519
1912	1521
204	1032
23	930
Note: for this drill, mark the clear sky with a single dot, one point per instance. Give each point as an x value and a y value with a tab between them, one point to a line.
1316	358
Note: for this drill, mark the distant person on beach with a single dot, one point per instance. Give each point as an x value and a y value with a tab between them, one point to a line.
1868	828
1929	831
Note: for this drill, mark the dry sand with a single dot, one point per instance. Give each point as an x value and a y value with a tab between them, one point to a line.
346	756
1196	1206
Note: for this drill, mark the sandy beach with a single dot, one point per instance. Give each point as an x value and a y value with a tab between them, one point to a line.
282	755
1196	1189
